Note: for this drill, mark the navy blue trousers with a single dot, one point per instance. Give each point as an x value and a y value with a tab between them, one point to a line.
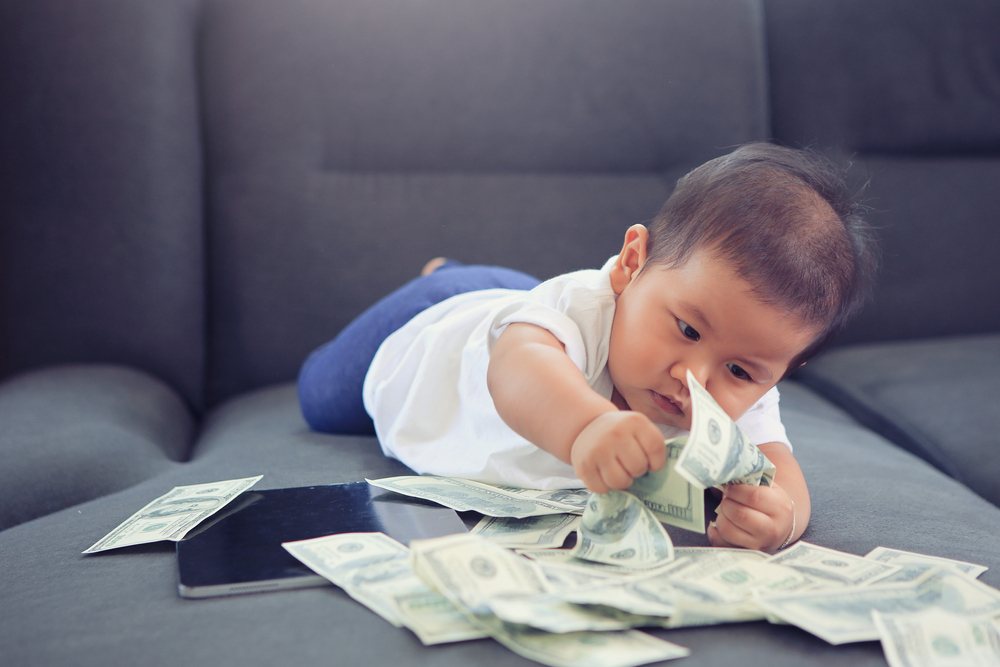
332	377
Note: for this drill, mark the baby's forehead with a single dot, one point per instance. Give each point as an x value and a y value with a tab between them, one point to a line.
708	280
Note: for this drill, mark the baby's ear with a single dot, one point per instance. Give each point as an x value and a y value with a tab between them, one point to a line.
631	258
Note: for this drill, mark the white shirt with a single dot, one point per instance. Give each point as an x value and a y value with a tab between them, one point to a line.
426	387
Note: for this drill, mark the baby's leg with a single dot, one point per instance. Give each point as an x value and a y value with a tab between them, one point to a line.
331	379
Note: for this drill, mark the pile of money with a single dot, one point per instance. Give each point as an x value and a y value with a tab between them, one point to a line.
512	579
550	606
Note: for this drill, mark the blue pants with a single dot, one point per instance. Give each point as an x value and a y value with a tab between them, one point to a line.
331	379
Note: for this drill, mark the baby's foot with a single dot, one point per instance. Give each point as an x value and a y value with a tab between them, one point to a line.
433	265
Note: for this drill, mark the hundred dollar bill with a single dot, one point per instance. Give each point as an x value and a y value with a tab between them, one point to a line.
376	586
174	514
553	614
933	638
704	603
563	570
717	452
831	567
656	593
622	648
375	570
617	528
727	581
841	616
370	567
469	570
633	596
915	565
671	497
732	555
541	532
434	619
339	557
499	501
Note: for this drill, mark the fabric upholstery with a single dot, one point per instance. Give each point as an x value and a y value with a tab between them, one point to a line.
935	398
73	433
373	135
886	76
101	253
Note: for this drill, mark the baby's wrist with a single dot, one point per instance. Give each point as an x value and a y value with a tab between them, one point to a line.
791	533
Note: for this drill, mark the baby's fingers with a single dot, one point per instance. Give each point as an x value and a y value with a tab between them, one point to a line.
747	526
591	477
724	533
616	476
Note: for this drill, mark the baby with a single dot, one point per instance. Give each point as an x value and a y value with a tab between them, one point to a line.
755	260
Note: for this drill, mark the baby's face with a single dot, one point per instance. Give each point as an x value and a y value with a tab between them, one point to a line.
703	317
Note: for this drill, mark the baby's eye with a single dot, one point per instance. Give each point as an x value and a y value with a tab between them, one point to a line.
688	330
738	372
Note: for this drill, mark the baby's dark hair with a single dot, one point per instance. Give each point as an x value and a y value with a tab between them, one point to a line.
786	222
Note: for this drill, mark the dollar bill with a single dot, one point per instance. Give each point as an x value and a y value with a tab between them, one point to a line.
370	567
841	616
377	586
914	565
541	532
671	497
498	501
338	558
618	529
726	581
562	565
434	619
554	614
717	452
469	570
638	596
719	553
622	648
174	514
933	638
832	567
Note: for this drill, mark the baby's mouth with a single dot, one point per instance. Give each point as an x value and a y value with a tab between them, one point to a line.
668	405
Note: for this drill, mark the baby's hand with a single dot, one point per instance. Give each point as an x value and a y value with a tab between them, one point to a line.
615	448
753	517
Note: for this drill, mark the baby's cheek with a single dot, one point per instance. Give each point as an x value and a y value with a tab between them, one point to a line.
737	406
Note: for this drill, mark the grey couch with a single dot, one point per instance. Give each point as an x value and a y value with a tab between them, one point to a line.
195	194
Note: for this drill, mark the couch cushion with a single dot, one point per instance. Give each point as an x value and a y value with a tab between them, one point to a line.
937	398
866	492
912	98
72	433
348	142
101	238
866	76
934	219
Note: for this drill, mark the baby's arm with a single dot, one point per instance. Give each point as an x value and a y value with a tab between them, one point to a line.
765	518
543	396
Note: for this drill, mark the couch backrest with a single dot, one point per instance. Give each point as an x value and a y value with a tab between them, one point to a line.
350	141
912	93
208	190
101	253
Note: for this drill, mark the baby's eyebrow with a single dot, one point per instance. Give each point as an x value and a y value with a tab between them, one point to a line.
699	316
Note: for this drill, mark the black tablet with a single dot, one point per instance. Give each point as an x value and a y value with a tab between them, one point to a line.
239	550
